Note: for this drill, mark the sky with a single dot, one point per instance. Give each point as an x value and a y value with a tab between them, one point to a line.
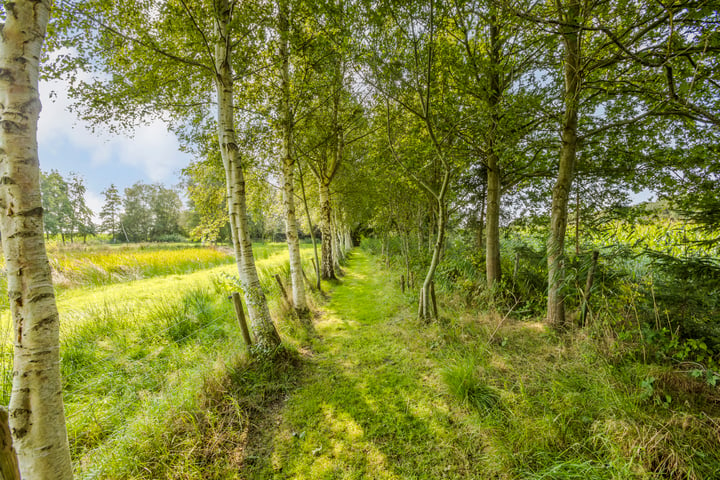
67	144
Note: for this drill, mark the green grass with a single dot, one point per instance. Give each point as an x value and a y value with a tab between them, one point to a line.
152	373
158	385
472	396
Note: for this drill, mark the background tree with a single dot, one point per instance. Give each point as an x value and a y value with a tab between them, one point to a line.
165	209
205	184
57	209
81	215
136	219
110	213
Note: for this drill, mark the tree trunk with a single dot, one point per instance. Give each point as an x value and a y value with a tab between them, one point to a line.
288	162
492	259
561	190
577	220
37	419
265	334
426	307
312	230
492	220
481	220
327	267
337	252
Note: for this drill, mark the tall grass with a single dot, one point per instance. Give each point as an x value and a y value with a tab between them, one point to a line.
555	407
149	365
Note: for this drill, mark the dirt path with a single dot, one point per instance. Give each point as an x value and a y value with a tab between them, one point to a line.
369	404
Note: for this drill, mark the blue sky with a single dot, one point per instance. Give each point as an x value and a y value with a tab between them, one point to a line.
67	144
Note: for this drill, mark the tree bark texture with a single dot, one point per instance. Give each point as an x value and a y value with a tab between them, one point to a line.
337	252
36	416
558	220
326	265
311	227
493	268
266	335
288	163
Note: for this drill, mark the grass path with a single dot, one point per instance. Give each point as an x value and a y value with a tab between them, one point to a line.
368	404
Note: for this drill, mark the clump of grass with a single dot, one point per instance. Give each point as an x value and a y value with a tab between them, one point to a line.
464	382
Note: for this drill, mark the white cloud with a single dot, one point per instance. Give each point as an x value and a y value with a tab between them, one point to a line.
95	202
153	150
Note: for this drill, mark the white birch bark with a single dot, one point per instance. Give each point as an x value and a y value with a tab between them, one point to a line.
348	240
288	164
36	416
266	335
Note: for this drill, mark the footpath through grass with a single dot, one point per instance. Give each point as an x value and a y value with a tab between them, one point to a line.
475	396
368	404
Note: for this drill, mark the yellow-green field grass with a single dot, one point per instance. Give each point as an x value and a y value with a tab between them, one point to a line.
137	354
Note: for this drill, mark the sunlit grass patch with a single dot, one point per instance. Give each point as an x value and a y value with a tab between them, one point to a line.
154	372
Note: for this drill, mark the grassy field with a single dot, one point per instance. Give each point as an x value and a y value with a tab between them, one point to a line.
137	354
157	384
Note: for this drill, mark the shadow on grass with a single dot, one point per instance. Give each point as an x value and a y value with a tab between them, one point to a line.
364	409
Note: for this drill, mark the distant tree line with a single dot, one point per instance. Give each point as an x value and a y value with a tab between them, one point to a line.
145	213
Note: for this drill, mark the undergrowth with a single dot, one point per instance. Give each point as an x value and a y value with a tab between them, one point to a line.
599	402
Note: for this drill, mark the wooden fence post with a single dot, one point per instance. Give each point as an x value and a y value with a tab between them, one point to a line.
237	302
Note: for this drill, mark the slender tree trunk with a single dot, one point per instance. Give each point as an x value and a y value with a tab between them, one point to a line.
419	216
492	261
348	240
337	253
492	256
406	254
577	220
288	162
327	266
265	334
558	220
312	230
37	419
481	221
426	307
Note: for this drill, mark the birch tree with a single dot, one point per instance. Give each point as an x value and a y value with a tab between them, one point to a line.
36	416
177	59
287	158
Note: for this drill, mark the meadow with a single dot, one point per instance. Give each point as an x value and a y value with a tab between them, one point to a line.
144	330
158	382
